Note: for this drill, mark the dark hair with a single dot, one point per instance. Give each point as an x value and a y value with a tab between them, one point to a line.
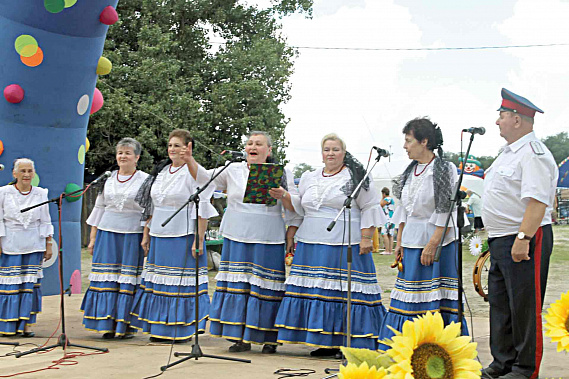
385	191
423	128
183	134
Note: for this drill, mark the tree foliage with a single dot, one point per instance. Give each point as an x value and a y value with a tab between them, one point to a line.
300	168
558	144
171	71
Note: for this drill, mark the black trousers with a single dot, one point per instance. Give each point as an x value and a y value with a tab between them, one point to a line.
515	293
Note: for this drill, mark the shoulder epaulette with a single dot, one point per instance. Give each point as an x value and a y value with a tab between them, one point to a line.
537	148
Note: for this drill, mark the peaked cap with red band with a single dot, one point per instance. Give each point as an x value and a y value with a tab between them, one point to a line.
517	104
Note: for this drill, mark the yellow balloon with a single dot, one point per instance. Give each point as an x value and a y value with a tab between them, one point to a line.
81	154
104	66
87	144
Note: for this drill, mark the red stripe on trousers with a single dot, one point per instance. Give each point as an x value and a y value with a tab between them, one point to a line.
537	279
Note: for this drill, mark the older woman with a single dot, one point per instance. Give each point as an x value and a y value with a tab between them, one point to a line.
25	240
424	190
116	235
313	309
164	306
250	282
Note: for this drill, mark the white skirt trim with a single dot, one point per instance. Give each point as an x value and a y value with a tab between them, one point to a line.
368	289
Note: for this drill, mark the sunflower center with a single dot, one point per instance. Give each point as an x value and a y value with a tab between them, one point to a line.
431	361
567	324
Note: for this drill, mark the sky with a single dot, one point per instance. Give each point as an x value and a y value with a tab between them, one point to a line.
367	96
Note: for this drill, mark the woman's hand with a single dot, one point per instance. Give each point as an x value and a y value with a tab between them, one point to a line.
428	254
186	153
278	193
90	247
48	253
290	246
194	248
366	246
145	244
399	252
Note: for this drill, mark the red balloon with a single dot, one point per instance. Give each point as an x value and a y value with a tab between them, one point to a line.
14	93
98	101
109	16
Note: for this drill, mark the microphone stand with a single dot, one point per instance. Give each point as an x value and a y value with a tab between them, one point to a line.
348	206
196	349
62	341
457	200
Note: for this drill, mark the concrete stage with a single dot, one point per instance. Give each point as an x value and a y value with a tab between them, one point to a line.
138	358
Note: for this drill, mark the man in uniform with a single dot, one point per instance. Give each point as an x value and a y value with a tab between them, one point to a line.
519	189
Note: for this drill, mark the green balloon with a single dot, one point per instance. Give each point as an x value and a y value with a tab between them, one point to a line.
36	180
54	6
26	45
70	3
70	188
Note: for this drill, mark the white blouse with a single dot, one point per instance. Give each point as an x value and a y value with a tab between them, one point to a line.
417	209
250	223
23	233
169	192
115	209
320	200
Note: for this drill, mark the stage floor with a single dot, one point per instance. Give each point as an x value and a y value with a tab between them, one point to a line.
138	358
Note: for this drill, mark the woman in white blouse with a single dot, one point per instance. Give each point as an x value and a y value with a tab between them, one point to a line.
424	189
114	243
164	306
25	241
313	310
250	282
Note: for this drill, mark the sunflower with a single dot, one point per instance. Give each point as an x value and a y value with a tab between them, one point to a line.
363	371
475	245
426	349
557	325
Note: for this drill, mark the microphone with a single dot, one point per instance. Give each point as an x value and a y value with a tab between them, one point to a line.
382	152
480	130
240	155
103	176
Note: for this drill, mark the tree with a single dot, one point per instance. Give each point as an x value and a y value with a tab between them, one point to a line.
168	73
558	145
300	168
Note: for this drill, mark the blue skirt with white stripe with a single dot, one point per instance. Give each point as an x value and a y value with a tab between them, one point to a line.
250	286
115	274
165	304
419	289
20	290
313	310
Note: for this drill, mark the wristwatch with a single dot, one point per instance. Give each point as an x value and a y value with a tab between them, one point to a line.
522	236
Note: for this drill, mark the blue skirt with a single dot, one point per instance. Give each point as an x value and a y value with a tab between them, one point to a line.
117	264
419	289
313	310
250	286
20	291
165	304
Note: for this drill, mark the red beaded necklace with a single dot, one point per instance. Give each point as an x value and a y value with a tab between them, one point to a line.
336	173
424	168
178	169
126	180
21	193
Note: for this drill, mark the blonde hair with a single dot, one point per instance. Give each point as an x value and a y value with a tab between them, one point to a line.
333	137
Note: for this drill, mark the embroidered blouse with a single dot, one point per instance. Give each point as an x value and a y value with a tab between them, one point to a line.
417	210
250	223
169	192
115	209
319	200
23	233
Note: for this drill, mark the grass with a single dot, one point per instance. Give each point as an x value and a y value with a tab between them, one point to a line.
557	283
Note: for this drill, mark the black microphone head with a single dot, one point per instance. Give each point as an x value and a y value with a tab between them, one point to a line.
482	130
